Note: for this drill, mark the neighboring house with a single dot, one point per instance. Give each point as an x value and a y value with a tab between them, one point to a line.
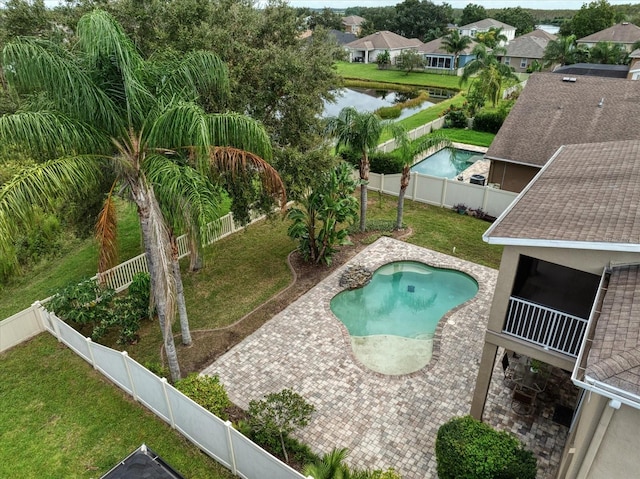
568	295
594	69
472	29
437	57
523	50
342	38
352	24
624	33
554	110
634	65
367	49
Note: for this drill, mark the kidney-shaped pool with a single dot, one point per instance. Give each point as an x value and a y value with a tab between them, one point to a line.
392	320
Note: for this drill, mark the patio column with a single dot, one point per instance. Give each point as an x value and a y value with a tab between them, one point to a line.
488	360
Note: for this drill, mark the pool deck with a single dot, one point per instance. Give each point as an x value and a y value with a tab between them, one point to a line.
384	421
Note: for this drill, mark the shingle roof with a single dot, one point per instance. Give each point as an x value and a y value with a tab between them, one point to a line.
587	197
353	20
551	112
527	46
435	46
624	32
486	24
342	37
384	40
538	32
614	358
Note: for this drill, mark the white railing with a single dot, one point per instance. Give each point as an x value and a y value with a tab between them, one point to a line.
215	437
444	192
414	134
544	326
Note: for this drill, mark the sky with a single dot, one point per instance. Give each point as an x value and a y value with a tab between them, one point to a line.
535	4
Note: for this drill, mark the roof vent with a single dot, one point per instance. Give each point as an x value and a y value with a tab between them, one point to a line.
601	103
569	79
625	23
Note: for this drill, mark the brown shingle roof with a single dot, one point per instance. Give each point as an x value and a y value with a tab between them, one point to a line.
551	112
624	32
384	40
486	24
614	357
353	20
539	33
527	47
435	46
587	197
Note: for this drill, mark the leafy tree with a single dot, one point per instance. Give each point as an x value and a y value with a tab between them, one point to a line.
592	18
415	18
106	109
279	414
490	73
455	43
492	37
608	53
359	132
377	18
473	13
409	60
24	18
408	151
517	17
326	18
318	222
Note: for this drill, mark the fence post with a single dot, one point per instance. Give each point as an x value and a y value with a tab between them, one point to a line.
93	360
414	187
37	309
54	324
166	398
485	198
444	192
125	360
234	467
381	190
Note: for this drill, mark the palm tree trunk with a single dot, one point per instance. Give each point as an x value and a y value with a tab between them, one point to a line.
157	249
404	183
364	180
195	255
180	301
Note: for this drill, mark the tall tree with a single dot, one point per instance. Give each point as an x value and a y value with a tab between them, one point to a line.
361	132
492	37
455	43
490	73
517	17
608	53
326	18
473	13
415	18
561	51
592	18
24	17
107	109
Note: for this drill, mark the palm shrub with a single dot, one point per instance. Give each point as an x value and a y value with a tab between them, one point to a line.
466	447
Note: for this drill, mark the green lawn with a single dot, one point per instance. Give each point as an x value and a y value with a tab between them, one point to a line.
370	71
61	419
470	137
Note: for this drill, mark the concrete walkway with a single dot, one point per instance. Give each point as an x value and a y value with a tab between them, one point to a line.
384	421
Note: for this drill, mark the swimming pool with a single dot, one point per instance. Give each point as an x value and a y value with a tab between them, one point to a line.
392	320
444	165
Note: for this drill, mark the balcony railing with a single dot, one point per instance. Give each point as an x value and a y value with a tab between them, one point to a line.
544	326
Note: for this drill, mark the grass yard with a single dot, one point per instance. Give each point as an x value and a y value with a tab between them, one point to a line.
470	137
370	71
61	419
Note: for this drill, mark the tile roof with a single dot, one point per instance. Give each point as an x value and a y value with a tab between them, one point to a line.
527	46
614	357
384	40
551	112
587	197
486	24
435	46
624	32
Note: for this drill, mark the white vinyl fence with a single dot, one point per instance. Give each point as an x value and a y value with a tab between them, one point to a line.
414	134
212	435
444	192
20	327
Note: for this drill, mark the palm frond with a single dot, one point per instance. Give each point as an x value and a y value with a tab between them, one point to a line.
106	234
179	125
239	131
33	65
52	133
236	161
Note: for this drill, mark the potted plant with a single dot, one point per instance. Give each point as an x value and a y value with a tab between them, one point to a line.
461	208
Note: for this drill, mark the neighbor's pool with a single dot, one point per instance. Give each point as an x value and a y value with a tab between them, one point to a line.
444	165
392	320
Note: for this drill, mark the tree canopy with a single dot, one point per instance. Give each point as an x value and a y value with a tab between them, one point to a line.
591	18
517	17
472	13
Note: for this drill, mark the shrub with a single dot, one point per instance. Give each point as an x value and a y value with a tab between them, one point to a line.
206	391
139	293
389	112
489	121
455	117
466	447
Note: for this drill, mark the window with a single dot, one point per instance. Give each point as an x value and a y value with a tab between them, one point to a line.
507	60
523	63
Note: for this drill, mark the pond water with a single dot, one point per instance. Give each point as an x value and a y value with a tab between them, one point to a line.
371	100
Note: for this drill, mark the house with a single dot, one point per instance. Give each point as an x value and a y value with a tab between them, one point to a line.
367	49
554	110
472	29
352	24
524	50
342	38
624	33
634	65
568	295
436	56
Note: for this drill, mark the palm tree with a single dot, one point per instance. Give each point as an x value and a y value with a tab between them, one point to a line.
360	132
608	53
408	151
331	466
492	38
560	51
491	74
106	109
454	43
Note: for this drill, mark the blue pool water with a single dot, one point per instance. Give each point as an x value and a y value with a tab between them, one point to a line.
405	299
445	165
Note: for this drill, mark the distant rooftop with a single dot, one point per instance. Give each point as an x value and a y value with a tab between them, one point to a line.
624	32
486	24
384	40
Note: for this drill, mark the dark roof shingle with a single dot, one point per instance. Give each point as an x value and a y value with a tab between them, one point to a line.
624	32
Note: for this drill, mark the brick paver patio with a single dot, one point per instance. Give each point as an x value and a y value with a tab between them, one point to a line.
384	421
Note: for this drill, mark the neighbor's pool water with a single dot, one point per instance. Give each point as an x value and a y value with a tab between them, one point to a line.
444	165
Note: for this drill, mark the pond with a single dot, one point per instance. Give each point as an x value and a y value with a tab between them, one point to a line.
371	100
